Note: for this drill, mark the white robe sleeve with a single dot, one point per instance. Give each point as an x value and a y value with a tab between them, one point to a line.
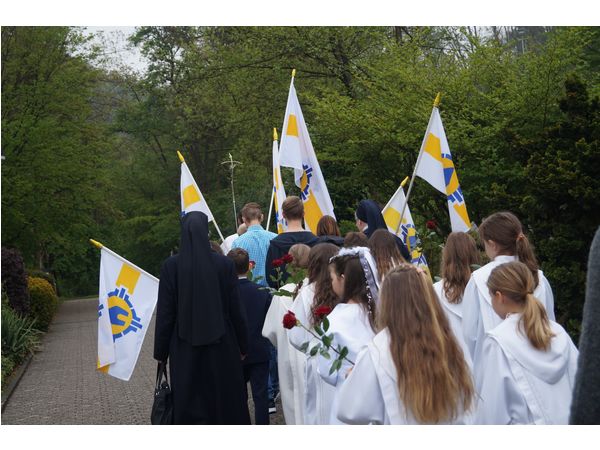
548	297
273	326
299	335
501	401
360	399
472	325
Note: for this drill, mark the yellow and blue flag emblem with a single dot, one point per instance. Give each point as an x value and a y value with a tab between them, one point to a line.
127	299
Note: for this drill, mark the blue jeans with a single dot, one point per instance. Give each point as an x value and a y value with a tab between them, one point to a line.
273	386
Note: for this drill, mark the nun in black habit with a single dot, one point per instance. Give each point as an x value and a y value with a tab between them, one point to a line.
369	219
201	328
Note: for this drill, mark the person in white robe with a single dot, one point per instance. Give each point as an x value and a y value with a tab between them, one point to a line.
371	394
291	379
460	253
318	395
351	322
519	383
504	242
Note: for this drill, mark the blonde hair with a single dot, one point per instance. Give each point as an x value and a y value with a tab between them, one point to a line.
459	253
514	281
434	380
300	254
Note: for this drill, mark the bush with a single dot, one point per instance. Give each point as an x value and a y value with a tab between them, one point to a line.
14	280
44	302
19	338
36	273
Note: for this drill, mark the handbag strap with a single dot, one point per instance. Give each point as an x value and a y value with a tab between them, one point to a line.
161	370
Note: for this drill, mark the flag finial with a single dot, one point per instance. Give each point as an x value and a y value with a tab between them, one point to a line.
404	181
436	102
96	243
293	73
180	156
274	134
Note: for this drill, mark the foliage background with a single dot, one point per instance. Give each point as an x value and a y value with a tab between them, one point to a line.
90	152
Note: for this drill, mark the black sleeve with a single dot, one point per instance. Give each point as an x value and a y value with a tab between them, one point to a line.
269	267
166	312
237	312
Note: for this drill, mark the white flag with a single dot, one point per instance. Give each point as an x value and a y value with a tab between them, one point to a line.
297	151
127	299
407	232
278	188
436	167
191	197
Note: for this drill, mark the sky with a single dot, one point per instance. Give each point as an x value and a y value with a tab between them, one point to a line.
117	49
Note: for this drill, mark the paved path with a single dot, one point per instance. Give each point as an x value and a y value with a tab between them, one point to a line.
62	386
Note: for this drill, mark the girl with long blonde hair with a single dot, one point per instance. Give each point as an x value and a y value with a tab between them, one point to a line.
413	372
504	240
528	366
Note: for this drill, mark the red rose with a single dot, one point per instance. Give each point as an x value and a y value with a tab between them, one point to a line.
322	311
287	258
289	320
277	263
252	265
431	224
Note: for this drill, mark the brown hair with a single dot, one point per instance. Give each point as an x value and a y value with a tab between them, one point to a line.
459	253
434	381
385	251
252	211
292	208
506	230
514	281
216	247
355	284
355	239
318	273
300	254
240	259
327	226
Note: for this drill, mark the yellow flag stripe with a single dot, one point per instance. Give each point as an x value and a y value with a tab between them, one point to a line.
190	196
433	147
128	278
461	210
292	128
312	211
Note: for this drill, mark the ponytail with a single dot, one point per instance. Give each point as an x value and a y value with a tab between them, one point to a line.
535	323
514	280
527	257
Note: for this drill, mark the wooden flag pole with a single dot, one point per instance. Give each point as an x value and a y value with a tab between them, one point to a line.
436	103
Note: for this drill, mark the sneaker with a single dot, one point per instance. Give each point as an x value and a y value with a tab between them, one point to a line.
272	408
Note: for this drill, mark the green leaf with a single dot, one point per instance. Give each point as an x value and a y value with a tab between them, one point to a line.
325	323
343	353
327	339
325	354
304	347
317	328
315	350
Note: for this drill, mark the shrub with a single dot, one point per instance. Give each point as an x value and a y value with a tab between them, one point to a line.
19	336
14	280
37	273
44	302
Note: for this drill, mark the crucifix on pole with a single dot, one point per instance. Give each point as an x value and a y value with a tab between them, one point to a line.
232	165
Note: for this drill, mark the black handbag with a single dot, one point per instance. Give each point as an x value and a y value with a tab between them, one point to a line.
162	408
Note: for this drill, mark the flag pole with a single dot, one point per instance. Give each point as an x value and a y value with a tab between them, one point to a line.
101	246
272	190
214	220
436	103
